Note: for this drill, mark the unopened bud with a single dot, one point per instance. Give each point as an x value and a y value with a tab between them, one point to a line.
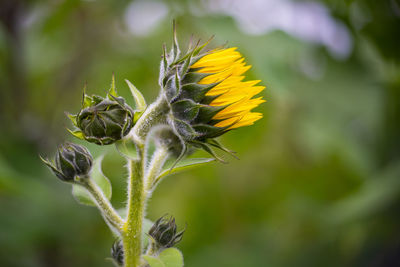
164	233
117	252
71	160
105	122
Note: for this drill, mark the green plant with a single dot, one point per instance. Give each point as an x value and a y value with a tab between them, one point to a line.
202	96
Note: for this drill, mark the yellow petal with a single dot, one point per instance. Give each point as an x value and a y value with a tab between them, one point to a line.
238	108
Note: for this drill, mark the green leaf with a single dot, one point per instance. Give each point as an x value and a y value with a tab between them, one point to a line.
182	165
80	193
171	257
126	148
153	262
138	97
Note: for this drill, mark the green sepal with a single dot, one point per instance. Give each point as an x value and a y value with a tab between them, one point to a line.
86	100
186	58
207	149
165	58
218	145
138	97
53	168
112	92
209	98
96	99
195	91
171	91
197	50
77	134
206	113
185	130
120	101
72	118
66	165
187	63
209	131
177	82
194	77
82	195
136	116
175	46
185	109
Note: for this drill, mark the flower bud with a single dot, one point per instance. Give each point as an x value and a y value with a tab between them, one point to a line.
164	233
117	252
71	160
103	121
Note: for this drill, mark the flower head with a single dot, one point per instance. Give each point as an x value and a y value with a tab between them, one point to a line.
235	96
208	93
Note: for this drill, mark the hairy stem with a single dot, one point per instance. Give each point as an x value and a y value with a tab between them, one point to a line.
103	204
132	232
156	164
155	114
139	178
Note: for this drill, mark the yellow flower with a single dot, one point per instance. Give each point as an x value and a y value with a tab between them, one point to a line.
207	94
227	67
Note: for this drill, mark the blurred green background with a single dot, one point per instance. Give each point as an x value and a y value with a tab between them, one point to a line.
318	180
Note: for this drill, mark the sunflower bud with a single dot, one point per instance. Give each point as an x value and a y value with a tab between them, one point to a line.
207	94
71	161
103	121
117	252
164	233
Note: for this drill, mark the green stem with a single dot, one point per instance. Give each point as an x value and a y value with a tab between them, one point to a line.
103	204
132	231
155	114
138	194
139	178
156	164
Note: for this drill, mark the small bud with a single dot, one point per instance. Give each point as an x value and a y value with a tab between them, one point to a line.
117	252
164	233
71	160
